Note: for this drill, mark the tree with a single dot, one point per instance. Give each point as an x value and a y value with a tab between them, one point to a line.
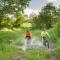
19	19
11	7
49	12
46	16
5	23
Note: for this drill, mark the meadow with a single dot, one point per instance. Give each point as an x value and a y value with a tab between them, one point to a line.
8	49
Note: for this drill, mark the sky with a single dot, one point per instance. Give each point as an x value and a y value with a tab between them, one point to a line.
36	5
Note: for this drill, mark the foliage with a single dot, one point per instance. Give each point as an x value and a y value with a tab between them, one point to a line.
47	17
19	20
37	54
57	27
6	36
12	7
55	34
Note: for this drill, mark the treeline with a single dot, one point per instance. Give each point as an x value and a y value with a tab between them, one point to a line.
47	18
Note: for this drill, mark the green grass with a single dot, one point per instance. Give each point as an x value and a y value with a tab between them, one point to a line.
57	52
54	37
7	50
37	54
33	54
5	36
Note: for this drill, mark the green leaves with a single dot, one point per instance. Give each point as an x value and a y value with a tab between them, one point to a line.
19	19
12	7
47	17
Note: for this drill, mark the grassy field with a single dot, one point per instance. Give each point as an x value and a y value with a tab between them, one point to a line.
8	49
33	54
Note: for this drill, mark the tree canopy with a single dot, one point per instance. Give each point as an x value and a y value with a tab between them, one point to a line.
47	17
12	7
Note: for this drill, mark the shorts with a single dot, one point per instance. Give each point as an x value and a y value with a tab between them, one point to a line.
28	37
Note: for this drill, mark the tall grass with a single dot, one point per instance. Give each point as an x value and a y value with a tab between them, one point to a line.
37	54
6	51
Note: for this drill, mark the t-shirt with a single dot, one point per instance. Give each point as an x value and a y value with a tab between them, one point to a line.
44	34
28	33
